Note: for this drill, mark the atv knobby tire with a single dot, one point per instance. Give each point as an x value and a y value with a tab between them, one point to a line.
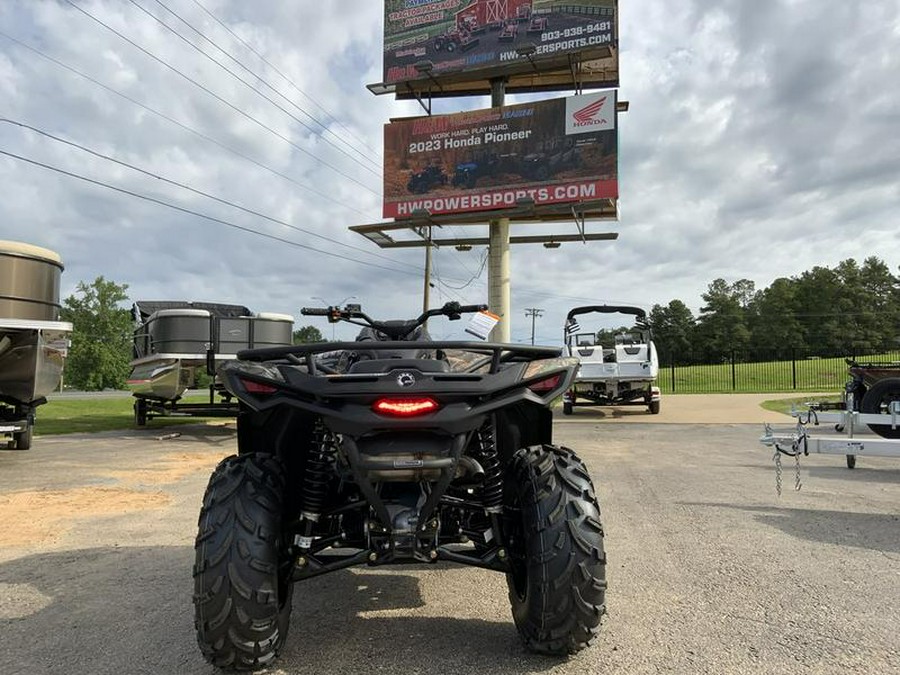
557	582
242	588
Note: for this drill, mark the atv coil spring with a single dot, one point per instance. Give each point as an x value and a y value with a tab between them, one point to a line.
318	472
492	487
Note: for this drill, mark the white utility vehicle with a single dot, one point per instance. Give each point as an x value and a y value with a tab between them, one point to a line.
620	373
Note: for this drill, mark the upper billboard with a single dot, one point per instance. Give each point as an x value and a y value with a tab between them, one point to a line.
455	41
557	151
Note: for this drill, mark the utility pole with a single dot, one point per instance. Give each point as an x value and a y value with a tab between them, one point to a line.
534	313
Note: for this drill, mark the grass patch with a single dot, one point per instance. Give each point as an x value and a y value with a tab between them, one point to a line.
807	374
783	405
93	414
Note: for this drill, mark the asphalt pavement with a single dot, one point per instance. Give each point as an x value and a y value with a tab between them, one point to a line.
709	570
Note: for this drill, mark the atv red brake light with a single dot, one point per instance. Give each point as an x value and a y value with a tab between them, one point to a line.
405	407
547	384
252	387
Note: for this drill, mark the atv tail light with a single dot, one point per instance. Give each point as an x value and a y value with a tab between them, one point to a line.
253	387
405	407
547	384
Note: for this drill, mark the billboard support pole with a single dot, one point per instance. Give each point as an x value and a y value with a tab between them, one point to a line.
426	293
498	250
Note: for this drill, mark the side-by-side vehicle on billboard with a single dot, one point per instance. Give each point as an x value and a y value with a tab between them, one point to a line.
557	151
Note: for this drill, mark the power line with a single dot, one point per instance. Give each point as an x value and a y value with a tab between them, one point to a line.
198	214
219	98
472	280
198	192
267	84
242	80
285	77
187	128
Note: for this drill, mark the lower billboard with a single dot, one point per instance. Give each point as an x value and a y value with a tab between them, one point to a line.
556	151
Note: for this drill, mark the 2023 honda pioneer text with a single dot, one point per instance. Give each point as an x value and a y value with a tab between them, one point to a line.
400	450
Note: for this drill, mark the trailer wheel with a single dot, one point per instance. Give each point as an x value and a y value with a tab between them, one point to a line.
653	407
140	412
877	400
557	577
22	439
851	461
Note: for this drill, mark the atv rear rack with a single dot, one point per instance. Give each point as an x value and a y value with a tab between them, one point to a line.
500	353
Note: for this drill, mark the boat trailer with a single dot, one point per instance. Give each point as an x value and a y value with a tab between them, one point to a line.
834	429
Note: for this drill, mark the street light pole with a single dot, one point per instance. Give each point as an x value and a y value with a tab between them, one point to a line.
325	302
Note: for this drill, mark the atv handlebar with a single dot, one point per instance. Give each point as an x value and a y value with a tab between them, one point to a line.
452	310
315	311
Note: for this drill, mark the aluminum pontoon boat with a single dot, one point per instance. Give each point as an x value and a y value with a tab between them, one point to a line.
175	341
33	341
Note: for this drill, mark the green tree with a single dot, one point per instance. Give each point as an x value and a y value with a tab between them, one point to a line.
673	331
818	292
607	336
307	334
101	336
722	326
773	320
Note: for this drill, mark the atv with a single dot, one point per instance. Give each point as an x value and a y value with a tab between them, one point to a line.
467	173
541	166
429	177
402	450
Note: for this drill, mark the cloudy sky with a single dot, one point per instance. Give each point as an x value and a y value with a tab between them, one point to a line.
763	138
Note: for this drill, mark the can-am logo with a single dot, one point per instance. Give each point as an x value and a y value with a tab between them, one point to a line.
587	116
590	113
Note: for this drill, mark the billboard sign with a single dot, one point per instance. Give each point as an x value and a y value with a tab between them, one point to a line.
434	39
556	151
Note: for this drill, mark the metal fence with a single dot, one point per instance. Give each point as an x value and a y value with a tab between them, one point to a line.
763	370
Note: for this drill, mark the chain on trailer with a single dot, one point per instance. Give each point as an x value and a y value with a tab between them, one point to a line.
799	445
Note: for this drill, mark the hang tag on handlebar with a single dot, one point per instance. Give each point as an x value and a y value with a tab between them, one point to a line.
482	324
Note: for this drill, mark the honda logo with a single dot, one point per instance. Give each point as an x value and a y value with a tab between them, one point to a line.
587	116
590	113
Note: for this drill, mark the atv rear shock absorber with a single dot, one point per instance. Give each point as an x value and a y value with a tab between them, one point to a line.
314	489
492	487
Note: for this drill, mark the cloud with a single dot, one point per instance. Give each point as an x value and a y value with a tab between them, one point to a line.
761	141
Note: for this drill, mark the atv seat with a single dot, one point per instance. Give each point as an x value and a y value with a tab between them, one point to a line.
387	365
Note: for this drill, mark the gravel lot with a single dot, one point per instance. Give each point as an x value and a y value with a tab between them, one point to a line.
709	571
